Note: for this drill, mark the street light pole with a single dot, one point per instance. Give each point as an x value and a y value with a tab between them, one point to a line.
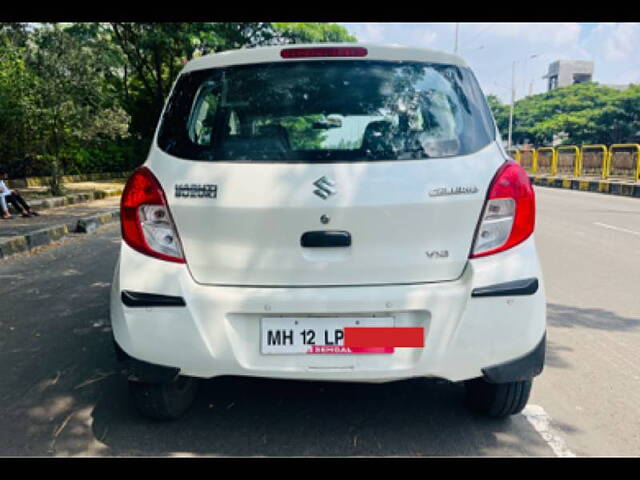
513	97
524	74
455	48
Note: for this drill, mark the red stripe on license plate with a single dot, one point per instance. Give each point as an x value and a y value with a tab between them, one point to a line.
361	337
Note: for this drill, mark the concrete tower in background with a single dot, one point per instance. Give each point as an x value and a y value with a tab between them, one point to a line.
563	73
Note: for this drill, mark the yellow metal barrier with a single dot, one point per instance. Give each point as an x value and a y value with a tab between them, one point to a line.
605	156
612	150
552	164
576	162
528	159
516	155
537	160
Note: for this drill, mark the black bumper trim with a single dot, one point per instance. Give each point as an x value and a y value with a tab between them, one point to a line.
141	371
523	368
138	299
527	286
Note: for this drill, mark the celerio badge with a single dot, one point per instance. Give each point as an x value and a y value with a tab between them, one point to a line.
439	192
196	190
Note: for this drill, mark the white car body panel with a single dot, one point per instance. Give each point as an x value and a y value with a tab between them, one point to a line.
250	234
272	54
218	332
244	262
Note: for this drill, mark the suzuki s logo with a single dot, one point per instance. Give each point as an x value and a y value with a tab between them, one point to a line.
325	187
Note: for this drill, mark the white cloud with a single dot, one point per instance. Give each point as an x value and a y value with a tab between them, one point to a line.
557	34
375	33
429	38
618	42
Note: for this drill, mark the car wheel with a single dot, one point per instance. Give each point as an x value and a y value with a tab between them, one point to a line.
164	401
497	399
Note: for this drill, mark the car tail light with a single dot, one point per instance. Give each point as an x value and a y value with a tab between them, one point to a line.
509	213
307	52
146	221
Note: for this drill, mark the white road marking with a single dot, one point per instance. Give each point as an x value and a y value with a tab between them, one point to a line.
542	423
616	228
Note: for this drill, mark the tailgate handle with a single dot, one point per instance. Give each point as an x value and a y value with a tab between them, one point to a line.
326	239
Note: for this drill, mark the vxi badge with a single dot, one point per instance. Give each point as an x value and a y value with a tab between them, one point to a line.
196	190
442	191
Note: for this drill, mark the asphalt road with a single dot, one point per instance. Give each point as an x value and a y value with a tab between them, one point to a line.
60	393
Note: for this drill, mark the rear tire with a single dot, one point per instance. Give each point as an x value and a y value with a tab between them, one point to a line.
164	401
497	400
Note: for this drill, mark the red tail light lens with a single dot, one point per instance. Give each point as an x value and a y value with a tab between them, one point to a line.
145	218
509	214
307	52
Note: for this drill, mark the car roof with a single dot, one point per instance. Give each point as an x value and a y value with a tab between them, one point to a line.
270	54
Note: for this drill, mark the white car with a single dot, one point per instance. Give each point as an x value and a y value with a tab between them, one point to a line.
333	212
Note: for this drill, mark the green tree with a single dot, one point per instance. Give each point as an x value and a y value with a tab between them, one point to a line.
312	33
585	112
73	104
619	121
154	53
16	34
17	120
500	113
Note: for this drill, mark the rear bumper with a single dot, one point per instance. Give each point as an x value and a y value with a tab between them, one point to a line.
141	371
217	331
522	368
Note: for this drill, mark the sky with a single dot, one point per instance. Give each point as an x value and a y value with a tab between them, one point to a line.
490	49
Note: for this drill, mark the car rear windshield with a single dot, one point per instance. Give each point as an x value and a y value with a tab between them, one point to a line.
325	111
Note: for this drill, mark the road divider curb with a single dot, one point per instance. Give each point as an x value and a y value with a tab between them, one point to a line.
12	245
86	177
45	236
39	238
91	224
610	186
74	198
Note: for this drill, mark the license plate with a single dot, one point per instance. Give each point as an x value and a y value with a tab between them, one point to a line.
315	335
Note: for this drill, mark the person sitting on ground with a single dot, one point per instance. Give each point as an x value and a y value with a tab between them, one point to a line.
4	193
13	197
3	203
